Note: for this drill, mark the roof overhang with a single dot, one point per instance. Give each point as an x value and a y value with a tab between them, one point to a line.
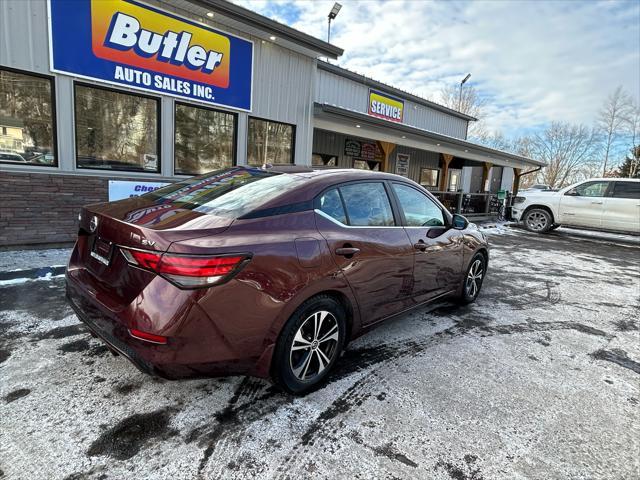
242	17
370	82
332	118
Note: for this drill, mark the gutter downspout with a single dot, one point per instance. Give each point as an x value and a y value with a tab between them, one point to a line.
519	175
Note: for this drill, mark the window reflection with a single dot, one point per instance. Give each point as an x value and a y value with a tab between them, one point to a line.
116	131
26	119
269	142
205	139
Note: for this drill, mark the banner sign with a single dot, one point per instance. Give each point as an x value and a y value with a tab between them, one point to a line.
119	189
383	106
402	164
128	43
359	150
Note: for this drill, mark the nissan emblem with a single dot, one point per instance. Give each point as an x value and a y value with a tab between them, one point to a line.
93	224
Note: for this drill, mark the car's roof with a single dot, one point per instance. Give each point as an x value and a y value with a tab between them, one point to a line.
336	174
318	180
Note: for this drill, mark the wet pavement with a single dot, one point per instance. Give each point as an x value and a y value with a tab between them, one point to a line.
538	379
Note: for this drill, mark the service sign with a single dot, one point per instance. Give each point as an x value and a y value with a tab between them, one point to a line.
128	43
383	106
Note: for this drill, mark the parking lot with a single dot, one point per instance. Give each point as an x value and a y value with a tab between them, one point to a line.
538	379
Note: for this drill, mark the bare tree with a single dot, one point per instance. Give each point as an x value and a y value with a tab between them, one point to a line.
612	119
470	103
633	129
569	151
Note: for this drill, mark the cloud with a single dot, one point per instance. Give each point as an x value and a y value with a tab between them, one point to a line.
534	61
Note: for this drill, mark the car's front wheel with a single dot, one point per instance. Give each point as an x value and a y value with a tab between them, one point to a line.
538	220
309	344
472	281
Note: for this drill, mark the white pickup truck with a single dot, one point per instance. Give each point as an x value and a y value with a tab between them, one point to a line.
610	204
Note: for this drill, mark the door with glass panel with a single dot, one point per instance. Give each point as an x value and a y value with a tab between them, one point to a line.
583	205
371	250
437	248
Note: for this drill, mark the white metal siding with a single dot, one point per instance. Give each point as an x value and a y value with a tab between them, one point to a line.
346	93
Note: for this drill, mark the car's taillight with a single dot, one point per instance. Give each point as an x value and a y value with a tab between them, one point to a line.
188	271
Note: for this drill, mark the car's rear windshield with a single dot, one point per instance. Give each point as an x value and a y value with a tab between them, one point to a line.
230	193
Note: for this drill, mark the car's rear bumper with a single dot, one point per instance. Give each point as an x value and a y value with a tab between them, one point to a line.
194	347
95	323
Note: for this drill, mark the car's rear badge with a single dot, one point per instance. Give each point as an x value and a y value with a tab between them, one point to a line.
93	224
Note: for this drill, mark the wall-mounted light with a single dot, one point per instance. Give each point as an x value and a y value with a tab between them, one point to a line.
273	38
210	14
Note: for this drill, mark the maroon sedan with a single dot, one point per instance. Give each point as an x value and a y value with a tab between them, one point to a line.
265	272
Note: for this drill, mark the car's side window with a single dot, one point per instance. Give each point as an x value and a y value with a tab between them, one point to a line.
331	204
419	210
367	204
592	189
626	190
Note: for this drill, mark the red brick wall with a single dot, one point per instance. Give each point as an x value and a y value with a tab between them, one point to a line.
38	208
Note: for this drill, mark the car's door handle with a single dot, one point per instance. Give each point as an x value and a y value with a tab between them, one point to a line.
596	203
420	245
346	251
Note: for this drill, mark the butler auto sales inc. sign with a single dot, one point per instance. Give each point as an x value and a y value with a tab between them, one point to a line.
128	43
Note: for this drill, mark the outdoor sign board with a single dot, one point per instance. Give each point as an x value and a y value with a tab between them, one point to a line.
128	43
402	164
119	189
360	150
386	107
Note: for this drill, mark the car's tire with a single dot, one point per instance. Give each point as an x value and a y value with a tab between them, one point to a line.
537	220
305	354
472	280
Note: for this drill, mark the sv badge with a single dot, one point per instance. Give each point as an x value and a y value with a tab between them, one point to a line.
148	243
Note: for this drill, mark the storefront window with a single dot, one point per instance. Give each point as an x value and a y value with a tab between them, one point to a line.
205	140
322	160
429	178
116	131
269	142
27	127
366	165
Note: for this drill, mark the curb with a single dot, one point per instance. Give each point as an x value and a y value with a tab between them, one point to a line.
33	273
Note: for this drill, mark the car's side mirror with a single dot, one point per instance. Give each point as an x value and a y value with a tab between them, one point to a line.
459	222
572	193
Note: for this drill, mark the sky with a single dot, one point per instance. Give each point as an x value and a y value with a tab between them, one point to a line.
533	62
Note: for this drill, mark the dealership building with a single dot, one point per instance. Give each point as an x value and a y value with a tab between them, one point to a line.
127	95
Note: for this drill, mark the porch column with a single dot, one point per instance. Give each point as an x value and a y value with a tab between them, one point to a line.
387	148
446	160
516	180
486	168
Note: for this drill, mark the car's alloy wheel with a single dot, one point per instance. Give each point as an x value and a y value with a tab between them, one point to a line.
474	278
314	345
309	344
537	221
472	281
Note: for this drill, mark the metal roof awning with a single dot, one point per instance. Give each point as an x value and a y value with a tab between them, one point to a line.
244	17
333	118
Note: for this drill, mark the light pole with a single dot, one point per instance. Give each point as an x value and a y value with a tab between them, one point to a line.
464	80
332	14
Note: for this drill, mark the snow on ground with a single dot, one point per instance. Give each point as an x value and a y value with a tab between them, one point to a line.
11	260
540	378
